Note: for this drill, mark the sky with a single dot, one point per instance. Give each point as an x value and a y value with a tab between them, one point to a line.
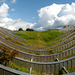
36	14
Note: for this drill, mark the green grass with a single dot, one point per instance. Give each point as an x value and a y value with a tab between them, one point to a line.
21	44
18	67
69	56
52	52
40	38
71	70
22	68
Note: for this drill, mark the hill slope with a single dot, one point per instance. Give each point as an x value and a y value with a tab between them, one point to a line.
68	28
40	38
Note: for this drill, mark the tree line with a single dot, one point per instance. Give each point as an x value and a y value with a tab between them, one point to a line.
28	29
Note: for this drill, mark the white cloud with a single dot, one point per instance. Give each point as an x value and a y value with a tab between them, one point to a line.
4	10
10	23
56	16
13	1
12	9
53	16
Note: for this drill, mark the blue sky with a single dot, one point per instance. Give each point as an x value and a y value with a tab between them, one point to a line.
27	10
37	14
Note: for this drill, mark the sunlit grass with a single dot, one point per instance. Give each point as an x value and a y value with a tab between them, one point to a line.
39	38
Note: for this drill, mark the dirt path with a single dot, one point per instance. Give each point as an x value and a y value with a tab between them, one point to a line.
40	42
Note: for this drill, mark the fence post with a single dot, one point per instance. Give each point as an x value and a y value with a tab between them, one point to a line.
31	66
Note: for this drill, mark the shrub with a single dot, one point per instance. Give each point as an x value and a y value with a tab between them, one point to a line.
28	29
6	55
64	27
20	29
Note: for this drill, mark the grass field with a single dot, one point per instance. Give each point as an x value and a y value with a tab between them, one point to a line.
40	38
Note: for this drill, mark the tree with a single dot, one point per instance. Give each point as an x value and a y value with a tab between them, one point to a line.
6	55
20	29
64	27
28	29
